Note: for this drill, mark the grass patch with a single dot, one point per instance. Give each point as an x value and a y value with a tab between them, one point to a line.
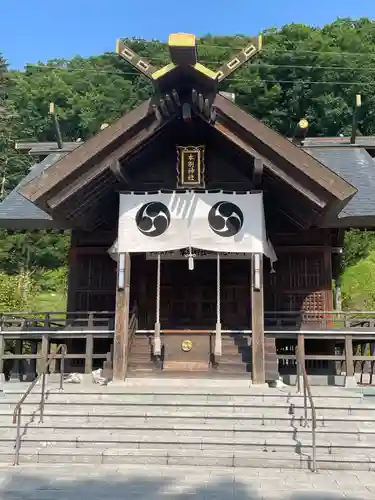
358	285
49	301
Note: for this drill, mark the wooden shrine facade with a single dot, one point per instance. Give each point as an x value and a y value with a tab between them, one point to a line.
189	136
302	281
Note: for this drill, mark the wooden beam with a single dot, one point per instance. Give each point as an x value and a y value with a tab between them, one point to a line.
357	105
95	171
183	49
139	63
349	356
56	124
118	172
269	142
120	354
242	57
277	171
258	172
40	148
2	352
257	320
86	155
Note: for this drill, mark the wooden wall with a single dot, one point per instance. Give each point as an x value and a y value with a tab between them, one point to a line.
302	281
303	272
92	273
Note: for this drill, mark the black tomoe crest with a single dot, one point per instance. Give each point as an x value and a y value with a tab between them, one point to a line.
153	219
225	219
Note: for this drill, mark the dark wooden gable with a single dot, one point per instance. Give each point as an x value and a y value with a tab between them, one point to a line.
287	165
139	150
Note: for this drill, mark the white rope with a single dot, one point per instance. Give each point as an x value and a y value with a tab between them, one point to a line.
218	303
157	341
218	349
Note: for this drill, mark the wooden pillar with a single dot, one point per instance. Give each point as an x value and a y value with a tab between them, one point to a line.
2	352
257	320
17	367
89	352
45	352
349	356
301	358
73	275
120	354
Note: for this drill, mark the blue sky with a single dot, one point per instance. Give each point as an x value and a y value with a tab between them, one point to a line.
38	30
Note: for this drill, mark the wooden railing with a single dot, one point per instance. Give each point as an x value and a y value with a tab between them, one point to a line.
133	325
46	328
319	319
337	343
29	321
104	320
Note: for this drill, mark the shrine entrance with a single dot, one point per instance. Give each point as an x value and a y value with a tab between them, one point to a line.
188	298
189	310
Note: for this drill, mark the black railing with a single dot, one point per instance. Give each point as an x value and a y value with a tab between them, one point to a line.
17	414
307	395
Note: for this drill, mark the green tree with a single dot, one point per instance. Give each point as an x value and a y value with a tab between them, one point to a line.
34	250
357	246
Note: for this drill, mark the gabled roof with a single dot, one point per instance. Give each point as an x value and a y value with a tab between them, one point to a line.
18	213
75	187
94	154
278	149
62	190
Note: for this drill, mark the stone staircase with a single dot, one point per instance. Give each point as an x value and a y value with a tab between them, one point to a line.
235	361
189	423
141	361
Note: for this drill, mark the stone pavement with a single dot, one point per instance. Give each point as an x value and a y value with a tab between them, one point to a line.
179	483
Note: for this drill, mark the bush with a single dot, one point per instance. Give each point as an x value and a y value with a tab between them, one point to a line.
17	291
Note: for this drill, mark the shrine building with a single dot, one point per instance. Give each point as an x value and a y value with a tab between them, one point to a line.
197	231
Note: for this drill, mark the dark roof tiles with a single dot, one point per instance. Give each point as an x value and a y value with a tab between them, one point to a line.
357	167
18	213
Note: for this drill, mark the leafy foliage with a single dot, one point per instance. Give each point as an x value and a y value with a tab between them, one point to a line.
357	246
358	291
40	249
17	291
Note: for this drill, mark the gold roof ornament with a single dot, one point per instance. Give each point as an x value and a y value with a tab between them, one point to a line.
183	53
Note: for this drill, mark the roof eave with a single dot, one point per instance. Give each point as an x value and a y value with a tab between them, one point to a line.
301	160
82	157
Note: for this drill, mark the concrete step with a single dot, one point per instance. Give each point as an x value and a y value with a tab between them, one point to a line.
178	457
191	400
234	356
222	443
174	386
355	424
85	430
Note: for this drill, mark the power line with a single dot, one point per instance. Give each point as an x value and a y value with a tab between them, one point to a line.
248	40
246	80
254	65
270	48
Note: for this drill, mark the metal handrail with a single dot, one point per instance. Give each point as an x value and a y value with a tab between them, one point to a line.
18	409
301	370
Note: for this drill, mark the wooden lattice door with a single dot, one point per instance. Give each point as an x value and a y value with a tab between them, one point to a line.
188	299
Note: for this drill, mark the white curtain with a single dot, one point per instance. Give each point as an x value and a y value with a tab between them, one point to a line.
216	222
